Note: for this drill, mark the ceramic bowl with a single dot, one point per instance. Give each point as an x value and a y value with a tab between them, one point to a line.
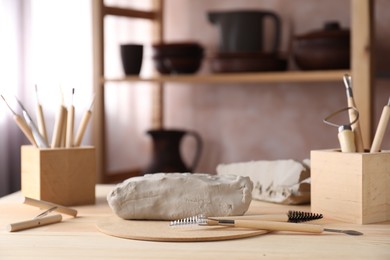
325	49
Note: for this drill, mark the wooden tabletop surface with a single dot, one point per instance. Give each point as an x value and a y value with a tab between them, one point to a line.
78	238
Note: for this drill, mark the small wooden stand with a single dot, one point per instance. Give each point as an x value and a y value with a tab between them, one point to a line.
65	176
351	187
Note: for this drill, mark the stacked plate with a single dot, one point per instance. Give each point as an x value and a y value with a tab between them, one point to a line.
247	62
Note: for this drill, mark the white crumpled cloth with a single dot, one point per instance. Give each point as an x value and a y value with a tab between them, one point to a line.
278	181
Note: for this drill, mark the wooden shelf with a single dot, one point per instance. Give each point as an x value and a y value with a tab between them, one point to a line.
264	77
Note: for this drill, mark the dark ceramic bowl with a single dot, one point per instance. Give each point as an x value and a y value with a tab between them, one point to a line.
326	49
177	65
183	49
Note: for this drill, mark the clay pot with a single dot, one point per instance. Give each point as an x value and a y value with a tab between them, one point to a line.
324	49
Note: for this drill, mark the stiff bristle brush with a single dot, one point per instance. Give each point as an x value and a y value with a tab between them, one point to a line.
259	223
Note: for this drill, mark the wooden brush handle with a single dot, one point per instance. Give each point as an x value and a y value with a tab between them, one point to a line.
278	226
267	217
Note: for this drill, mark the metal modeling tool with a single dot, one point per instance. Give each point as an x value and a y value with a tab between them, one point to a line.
21	124
381	128
40	220
40	140
345	134
356	125
262	224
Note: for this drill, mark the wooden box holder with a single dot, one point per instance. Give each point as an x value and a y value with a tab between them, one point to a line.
351	187
65	176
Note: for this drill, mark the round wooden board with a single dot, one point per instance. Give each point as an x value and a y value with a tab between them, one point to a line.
161	231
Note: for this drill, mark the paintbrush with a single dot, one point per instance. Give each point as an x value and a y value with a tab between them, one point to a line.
21	124
83	124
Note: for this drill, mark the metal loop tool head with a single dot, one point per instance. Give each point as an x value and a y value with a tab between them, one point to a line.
343	126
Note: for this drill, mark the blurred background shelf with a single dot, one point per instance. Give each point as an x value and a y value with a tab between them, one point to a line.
269	77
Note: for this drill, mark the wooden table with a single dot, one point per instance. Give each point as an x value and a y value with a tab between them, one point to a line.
79	238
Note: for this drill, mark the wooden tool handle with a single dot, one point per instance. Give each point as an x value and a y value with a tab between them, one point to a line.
48	205
34	223
380	130
25	129
347	141
278	226
58	126
267	217
41	123
358	138
82	128
69	127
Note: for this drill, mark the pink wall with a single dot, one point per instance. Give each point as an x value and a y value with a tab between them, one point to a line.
241	122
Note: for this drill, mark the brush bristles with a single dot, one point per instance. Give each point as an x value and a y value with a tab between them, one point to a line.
194	220
300	216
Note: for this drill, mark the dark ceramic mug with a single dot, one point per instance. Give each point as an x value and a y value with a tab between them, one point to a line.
131	55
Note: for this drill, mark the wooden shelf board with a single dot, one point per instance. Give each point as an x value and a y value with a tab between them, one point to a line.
270	77
130	13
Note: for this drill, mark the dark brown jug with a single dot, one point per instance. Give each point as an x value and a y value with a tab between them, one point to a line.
166	155
242	30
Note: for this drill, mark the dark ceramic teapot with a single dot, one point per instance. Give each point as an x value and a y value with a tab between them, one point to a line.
242	30
166	155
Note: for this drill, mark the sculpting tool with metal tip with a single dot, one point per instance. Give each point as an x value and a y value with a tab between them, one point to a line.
41	142
351	103
21	124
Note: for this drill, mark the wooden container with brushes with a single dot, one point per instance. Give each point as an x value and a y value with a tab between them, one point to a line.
65	176
351	187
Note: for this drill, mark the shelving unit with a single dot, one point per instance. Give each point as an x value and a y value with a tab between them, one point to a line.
361	71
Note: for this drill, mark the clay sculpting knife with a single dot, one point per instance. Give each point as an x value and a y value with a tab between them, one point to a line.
21	124
41	142
351	103
381	128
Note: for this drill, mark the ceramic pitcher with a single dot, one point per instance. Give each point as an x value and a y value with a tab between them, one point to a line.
166	155
242	30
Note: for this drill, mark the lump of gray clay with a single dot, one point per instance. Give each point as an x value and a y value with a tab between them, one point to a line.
169	196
